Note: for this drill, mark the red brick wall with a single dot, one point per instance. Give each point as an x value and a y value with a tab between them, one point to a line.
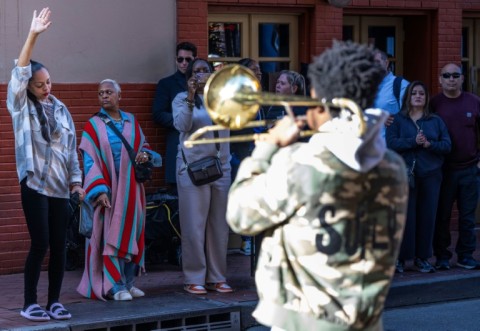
81	100
326	24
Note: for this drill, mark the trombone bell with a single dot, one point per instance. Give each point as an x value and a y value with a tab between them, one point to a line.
222	96
233	96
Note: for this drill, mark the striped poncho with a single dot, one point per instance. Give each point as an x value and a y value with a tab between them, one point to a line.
118	232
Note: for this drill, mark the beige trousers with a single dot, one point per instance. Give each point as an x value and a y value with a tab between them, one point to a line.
204	227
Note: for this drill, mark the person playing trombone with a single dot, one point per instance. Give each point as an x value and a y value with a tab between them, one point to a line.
331	211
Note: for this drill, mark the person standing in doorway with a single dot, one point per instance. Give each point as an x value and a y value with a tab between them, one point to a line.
391	90
461	113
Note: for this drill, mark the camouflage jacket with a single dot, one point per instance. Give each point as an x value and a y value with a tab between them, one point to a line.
331	229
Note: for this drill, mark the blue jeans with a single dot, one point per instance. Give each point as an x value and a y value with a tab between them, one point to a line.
128	271
458	185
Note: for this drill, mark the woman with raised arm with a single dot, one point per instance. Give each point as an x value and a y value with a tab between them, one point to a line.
48	171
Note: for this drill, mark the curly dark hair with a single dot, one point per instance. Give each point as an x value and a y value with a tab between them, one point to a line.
347	70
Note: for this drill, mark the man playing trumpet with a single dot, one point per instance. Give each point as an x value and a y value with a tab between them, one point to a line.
331	211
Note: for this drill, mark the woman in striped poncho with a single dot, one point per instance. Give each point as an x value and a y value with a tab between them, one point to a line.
114	200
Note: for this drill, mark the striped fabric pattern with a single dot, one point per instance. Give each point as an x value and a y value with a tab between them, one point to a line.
118	232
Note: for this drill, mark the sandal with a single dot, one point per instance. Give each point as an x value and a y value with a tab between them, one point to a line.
221	287
195	289
35	313
58	312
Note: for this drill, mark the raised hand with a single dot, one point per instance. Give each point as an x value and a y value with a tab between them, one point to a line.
41	22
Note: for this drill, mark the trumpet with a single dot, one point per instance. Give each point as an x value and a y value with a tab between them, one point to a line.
233	96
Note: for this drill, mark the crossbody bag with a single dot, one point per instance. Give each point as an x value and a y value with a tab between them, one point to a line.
205	170
143	171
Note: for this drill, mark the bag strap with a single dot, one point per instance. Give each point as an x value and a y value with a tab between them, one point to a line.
217	145
397	84
131	152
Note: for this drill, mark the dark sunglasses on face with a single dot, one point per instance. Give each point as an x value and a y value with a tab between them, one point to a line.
447	75
180	59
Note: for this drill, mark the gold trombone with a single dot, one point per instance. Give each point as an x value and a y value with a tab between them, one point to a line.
232	98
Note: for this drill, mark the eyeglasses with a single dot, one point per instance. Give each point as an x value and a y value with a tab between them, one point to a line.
107	92
180	59
447	75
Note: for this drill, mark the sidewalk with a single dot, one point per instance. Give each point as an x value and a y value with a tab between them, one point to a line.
166	305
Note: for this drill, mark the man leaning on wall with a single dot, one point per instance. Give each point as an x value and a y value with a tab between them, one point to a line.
167	89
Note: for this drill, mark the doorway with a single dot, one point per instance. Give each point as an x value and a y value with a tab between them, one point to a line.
471	55
384	33
271	39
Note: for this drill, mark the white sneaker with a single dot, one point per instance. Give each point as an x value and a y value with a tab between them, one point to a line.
123	295
136	292
246	248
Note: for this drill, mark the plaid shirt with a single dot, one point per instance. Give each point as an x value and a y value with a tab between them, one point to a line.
50	167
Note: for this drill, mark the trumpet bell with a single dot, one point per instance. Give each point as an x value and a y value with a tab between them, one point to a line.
225	94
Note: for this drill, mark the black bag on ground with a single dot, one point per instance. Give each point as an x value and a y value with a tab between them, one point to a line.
162	229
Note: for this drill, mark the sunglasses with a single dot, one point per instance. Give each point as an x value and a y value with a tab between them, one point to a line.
447	75
180	59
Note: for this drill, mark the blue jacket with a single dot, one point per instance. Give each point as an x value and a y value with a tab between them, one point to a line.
401	134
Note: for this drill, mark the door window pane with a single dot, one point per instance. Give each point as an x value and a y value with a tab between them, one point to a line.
224	39
348	32
383	38
273	40
465	59
273	66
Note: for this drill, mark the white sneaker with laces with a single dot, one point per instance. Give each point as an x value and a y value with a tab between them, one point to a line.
122	295
136	292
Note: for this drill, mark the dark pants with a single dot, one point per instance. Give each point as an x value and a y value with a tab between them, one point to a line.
47	224
421	213
459	185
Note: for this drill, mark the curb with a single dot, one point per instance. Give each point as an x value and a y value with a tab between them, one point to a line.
441	289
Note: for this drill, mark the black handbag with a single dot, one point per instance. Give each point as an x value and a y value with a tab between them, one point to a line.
205	170
143	171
